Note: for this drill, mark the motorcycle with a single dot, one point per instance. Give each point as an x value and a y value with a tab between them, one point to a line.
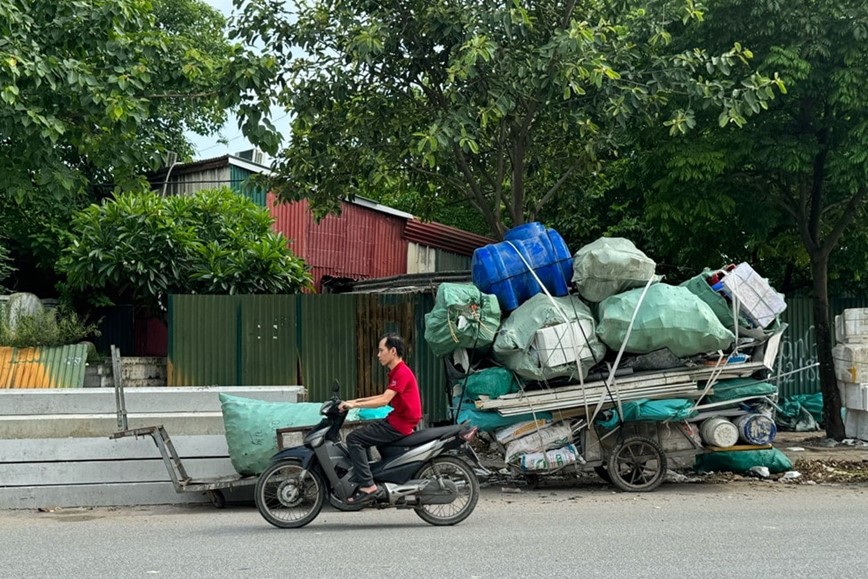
432	471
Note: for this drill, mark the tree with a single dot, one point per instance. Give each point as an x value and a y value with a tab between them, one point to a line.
142	247
790	187
95	94
501	104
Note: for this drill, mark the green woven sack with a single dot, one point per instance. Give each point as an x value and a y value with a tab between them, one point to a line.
669	317
251	428
462	317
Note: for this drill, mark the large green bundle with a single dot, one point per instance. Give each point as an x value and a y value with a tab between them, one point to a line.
491	382
743	460
668	410
463	317
517	345
251	428
739	388
669	317
609	266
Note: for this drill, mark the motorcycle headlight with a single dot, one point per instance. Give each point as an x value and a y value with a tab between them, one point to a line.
325	407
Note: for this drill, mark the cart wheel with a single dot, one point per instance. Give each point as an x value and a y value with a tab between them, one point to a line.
532	480
217	498
637	465
603	473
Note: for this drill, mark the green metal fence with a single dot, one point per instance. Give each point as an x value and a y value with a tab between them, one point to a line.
311	340
314	340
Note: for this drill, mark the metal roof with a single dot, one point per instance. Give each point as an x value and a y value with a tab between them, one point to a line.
444	237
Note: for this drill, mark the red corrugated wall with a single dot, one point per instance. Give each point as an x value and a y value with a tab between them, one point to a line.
360	243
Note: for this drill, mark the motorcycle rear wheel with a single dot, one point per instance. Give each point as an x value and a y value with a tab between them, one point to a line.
462	475
288	496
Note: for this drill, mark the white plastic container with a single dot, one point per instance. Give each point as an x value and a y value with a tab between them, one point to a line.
719	432
852	326
856	424
756	298
853	396
851	363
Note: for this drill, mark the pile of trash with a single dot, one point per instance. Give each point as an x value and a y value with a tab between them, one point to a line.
552	352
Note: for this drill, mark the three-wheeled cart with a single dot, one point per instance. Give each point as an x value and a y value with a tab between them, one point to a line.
183	482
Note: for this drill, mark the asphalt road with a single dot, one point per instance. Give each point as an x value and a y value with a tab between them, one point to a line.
746	529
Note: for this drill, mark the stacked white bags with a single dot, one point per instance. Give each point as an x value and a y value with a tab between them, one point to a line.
851	369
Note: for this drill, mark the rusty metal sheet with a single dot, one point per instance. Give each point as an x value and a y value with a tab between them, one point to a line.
43	367
360	243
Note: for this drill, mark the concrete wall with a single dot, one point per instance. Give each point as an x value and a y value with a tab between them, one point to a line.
137	371
55	449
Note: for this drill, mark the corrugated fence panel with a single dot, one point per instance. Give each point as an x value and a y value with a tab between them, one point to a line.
240	179
268	340
429	368
232	340
204	346
799	343
44	367
327	345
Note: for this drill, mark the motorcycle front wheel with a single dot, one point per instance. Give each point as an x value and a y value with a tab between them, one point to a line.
289	496
462	475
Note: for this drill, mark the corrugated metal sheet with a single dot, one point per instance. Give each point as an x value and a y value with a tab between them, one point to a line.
204	341
189	183
444	237
268	340
360	243
232	340
327	349
240	183
447	261
291	219
799	343
45	367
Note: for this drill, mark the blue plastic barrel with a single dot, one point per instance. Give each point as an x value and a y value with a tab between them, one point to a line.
498	269
756	429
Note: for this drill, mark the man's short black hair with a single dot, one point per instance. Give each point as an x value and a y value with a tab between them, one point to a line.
394	341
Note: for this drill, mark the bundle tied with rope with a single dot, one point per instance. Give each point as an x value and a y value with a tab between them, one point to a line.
462	317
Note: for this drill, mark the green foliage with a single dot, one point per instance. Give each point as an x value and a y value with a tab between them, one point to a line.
93	95
789	189
503	105
142	247
47	327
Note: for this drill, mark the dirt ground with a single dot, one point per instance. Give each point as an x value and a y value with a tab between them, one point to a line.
820	459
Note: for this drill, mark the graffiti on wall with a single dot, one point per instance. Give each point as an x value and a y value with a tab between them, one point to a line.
798	352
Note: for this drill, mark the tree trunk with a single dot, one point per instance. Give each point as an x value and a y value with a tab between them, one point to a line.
823	333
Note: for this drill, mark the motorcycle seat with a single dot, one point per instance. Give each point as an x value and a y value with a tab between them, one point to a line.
420	437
